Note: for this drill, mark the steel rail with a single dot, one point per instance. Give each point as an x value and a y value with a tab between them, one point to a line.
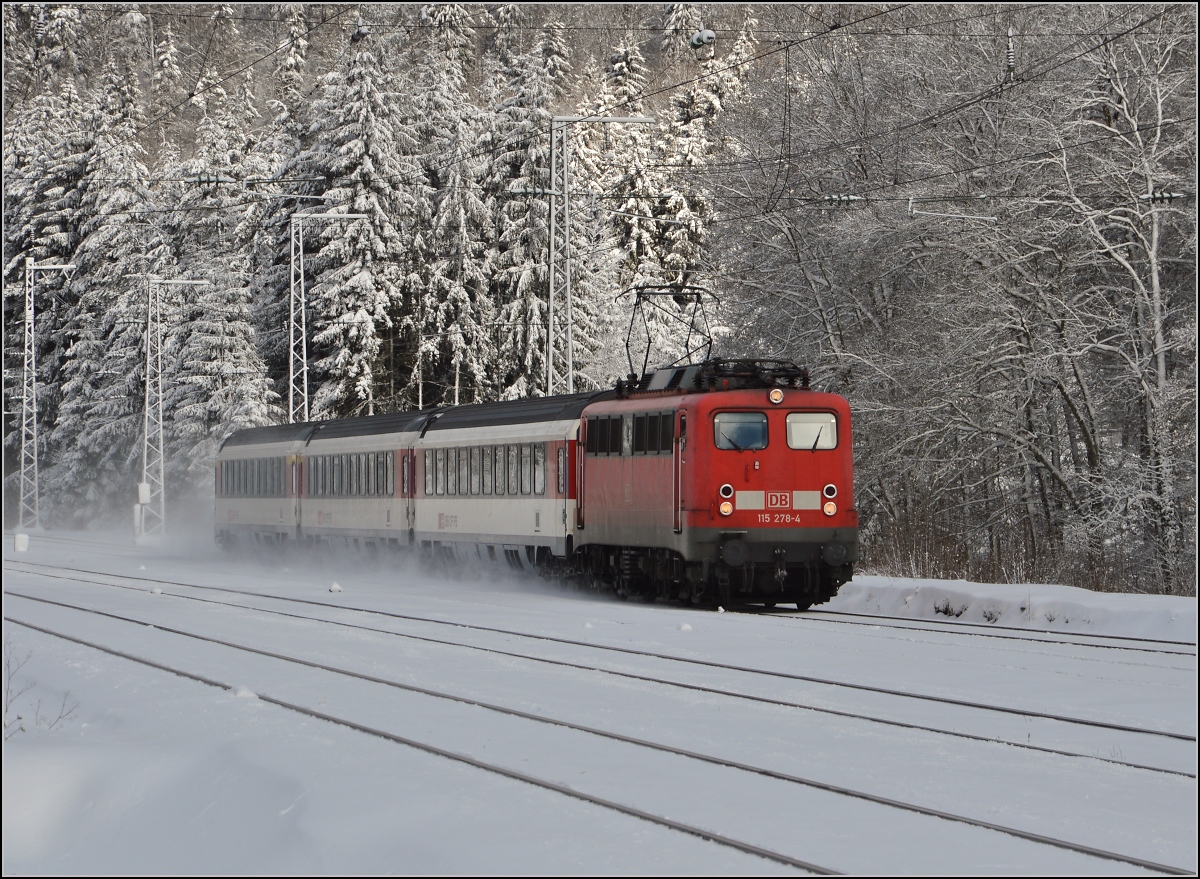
944	700
632	676
720	839
746	847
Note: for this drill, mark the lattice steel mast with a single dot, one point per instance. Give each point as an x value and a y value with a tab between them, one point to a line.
30	517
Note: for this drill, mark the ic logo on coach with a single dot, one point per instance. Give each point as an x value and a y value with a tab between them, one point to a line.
779	500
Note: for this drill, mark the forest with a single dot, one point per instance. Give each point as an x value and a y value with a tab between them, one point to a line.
975	222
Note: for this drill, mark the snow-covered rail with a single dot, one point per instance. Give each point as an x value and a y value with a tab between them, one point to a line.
546	784
1081	748
687	661
558	787
1100	641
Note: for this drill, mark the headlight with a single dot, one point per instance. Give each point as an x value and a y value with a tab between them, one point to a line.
776	396
726	508
726	490
830	491
830	508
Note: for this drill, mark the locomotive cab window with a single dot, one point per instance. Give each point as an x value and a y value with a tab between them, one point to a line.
740	431
811	430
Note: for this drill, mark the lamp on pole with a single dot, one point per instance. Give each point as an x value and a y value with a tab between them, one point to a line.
29	515
560	232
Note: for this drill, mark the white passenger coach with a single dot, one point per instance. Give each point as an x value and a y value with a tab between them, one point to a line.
494	481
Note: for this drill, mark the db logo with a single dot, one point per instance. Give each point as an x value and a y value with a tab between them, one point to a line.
779	500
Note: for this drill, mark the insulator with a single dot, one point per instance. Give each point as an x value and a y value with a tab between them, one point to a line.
701	38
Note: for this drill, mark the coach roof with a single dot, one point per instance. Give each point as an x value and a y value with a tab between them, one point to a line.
531	410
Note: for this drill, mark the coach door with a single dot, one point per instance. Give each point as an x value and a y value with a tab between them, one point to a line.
677	473
580	455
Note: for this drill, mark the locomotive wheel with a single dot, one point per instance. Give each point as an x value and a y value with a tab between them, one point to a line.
768	604
803	605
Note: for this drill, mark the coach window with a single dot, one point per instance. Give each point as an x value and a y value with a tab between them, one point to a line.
500	469
451	471
391	477
639	434
539	468
526	468
740	431
429	470
323	476
475	478
562	470
599	429
811	430
514	469
485	477
464	477
439	470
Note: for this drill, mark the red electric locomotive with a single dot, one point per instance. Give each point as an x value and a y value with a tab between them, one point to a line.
724	481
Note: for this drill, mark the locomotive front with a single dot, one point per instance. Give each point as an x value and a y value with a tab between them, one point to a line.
772	511
723	481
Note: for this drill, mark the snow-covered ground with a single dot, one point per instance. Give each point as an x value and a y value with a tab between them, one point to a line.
150	771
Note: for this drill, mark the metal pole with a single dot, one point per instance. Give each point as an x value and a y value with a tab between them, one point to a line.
560	234
556	129
298	316
566	197
152	518
30	513
303	323
29	462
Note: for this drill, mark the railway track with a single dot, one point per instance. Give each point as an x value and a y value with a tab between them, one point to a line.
541	719
986	631
73	574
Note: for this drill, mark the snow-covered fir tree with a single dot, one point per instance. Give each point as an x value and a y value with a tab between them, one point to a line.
95	442
518	179
454	313
356	290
